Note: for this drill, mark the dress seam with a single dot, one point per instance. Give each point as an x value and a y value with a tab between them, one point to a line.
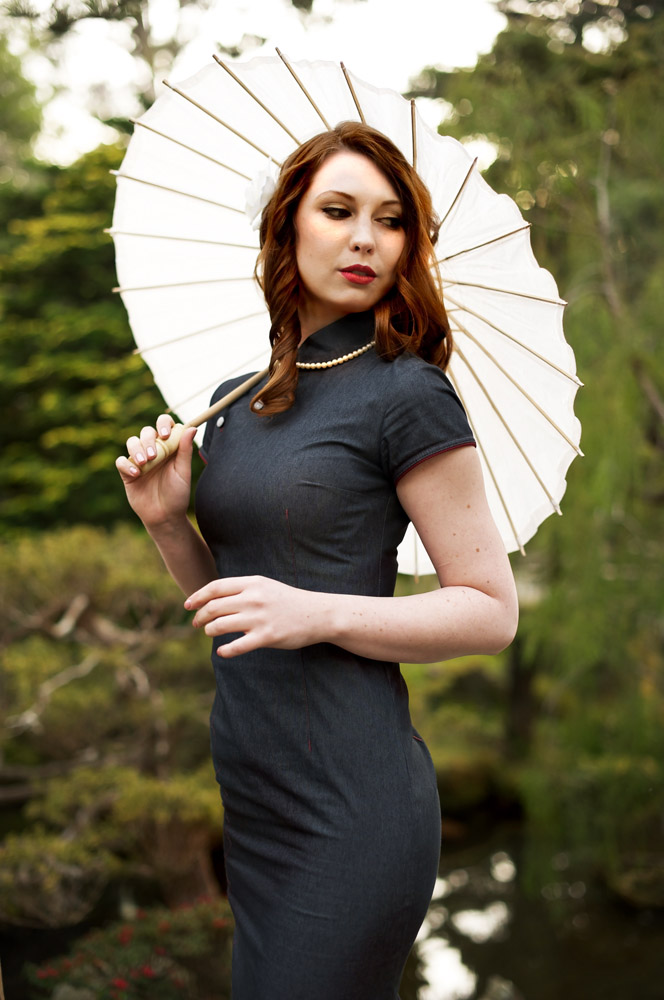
302	664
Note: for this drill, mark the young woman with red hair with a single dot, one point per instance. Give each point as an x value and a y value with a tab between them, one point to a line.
331	813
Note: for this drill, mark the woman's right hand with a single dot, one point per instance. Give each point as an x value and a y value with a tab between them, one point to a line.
158	495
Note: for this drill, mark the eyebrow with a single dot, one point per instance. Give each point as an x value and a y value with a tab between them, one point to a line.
350	197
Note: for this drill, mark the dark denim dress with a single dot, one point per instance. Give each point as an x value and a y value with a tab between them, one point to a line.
332	819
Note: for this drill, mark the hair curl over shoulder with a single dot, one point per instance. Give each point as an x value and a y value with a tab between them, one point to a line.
411	317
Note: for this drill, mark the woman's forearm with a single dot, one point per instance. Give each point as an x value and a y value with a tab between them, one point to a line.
186	556
452	621
424	628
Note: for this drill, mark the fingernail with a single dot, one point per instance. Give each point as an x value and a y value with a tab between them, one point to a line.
140	457
164	432
134	471
151	452
187	604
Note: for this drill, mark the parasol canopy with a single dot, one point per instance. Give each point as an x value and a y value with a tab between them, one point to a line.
186	250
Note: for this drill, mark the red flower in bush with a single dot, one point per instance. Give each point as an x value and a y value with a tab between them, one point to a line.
220	922
125	934
159	950
47	973
148	971
120	983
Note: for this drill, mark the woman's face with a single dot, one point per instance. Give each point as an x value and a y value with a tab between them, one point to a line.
349	238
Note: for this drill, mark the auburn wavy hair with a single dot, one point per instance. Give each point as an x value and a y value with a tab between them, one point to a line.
410	317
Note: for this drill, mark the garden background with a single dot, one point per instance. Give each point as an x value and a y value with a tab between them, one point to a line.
109	813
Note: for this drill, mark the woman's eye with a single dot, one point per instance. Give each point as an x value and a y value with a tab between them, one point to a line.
335	212
392	222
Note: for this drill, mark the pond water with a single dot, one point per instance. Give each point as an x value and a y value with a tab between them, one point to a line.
489	935
493	932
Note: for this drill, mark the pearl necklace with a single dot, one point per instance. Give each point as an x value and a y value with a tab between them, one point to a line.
309	365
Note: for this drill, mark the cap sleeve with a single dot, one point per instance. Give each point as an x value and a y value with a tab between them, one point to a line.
424	417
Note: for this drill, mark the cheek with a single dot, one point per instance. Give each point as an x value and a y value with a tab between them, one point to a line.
319	236
396	252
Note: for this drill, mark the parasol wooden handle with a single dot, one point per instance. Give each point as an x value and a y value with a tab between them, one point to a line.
168	447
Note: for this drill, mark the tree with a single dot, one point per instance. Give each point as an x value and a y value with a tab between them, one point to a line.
566	21
578	147
73	391
20	112
22	181
50	28
105	702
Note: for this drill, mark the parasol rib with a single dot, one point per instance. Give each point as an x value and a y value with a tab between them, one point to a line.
303	89
258	101
213	385
487	243
185	194
413	127
540	357
182	284
504	291
458	194
201	107
495	409
196	333
487	464
502	499
182	239
520	388
191	149
353	94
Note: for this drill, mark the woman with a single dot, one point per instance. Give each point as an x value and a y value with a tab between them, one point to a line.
332	820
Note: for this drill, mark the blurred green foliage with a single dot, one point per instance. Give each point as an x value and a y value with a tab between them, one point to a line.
20	111
578	146
72	389
105	697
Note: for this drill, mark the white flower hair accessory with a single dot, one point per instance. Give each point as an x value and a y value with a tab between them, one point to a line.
259	192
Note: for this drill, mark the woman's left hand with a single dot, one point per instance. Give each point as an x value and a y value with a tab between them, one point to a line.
269	613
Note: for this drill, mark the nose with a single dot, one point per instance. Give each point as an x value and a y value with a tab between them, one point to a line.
361	236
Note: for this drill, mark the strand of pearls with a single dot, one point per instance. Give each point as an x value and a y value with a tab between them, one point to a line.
310	365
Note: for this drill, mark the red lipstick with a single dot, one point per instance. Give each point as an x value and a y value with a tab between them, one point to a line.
359	274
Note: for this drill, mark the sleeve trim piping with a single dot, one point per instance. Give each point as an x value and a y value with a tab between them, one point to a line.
438	451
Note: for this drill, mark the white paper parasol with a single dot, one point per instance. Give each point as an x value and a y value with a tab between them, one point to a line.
185	254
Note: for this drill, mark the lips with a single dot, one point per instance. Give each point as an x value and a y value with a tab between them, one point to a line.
358	274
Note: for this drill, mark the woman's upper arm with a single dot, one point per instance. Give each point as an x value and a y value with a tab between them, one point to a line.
444	497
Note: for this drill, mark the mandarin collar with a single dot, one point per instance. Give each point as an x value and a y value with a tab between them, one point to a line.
341	337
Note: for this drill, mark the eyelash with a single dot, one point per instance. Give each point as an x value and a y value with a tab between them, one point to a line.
389	221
